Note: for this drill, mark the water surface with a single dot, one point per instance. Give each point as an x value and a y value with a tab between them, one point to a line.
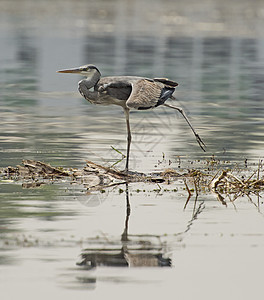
67	243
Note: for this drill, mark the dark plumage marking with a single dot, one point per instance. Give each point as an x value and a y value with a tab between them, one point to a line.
87	67
144	108
166	93
121	93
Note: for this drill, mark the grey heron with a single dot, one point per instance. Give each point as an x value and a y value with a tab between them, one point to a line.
129	92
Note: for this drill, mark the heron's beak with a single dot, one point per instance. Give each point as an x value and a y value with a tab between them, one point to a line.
73	70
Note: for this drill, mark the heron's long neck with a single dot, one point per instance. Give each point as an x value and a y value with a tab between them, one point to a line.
84	88
92	80
86	84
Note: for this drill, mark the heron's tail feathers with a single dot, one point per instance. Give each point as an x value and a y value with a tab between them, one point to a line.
166	81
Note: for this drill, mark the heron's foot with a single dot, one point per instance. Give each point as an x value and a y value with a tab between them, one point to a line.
200	142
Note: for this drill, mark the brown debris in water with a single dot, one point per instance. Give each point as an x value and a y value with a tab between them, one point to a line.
94	176
32	168
36	173
227	182
229	185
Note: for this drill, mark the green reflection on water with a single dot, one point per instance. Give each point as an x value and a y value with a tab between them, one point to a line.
19	203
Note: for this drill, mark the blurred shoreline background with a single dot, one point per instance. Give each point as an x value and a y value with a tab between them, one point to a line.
214	49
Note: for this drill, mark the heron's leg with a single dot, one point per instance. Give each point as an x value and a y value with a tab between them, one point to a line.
124	237
198	139
126	111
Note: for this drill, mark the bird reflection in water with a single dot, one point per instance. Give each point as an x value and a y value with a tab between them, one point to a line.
135	251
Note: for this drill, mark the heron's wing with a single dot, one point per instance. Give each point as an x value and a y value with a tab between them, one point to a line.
115	87
121	93
140	92
145	94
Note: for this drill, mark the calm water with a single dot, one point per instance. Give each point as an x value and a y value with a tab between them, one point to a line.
64	242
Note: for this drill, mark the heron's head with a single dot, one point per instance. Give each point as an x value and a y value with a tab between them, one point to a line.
91	73
86	70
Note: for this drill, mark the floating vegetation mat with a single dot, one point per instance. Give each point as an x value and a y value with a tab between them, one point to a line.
231	183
